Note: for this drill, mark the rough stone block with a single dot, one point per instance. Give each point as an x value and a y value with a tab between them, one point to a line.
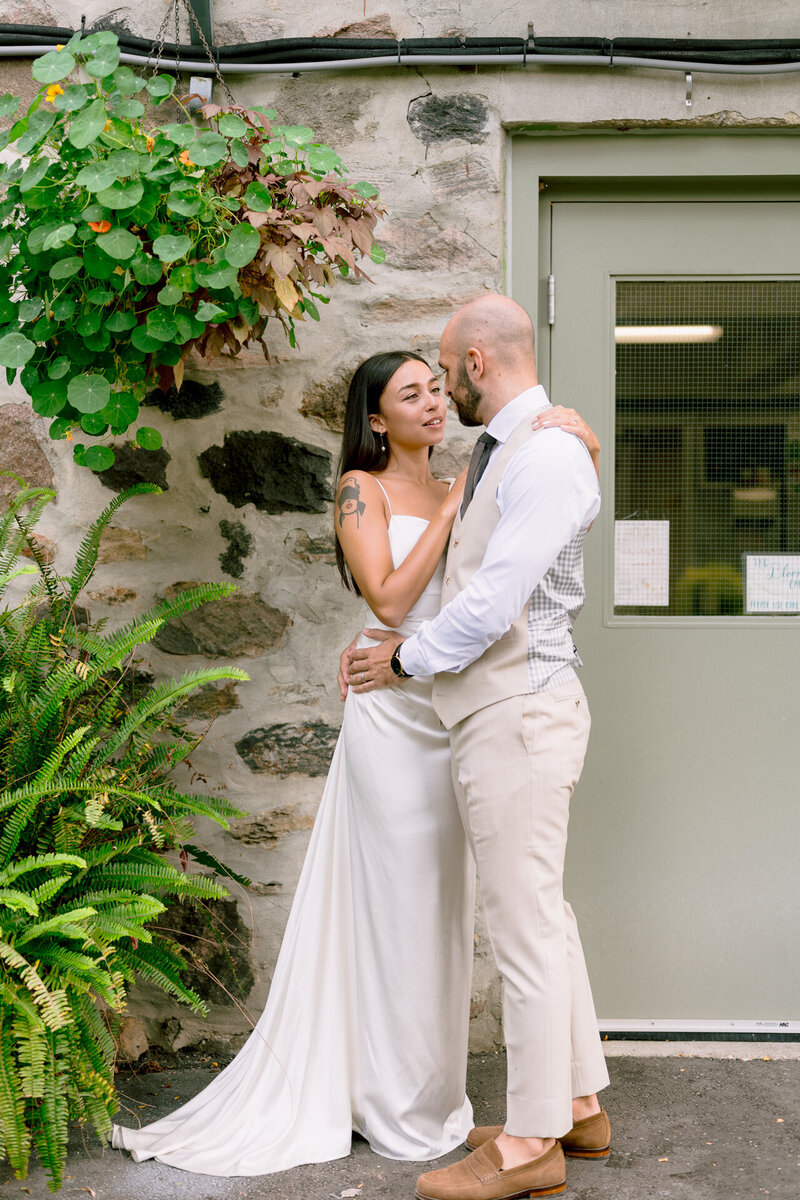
238	626
275	473
20	450
461	179
267	828
120	545
444	118
421	245
213	700
305	549
112	595
379	26
240	543
194	399
133	465
131	1039
325	402
217	944
283	749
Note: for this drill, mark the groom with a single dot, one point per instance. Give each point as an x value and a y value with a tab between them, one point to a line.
506	689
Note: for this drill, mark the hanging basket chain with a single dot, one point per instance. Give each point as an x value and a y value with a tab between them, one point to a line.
211	57
159	47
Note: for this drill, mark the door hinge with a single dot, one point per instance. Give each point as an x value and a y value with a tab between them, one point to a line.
551	299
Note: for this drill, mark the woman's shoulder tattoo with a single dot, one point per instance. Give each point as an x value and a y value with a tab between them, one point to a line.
348	500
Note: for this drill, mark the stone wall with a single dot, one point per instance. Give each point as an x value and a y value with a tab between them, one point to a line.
250	449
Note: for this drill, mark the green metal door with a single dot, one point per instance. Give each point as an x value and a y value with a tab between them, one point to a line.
675	328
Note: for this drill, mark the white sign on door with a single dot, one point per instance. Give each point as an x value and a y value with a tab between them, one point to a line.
773	583
641	563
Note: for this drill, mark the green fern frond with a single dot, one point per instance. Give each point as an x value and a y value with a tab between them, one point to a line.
39	862
86	559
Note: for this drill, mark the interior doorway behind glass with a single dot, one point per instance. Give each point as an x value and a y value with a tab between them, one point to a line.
707	491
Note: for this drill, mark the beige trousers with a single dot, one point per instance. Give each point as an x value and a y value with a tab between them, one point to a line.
515	764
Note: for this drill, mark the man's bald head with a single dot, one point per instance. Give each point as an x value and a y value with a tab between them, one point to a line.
495	325
487	355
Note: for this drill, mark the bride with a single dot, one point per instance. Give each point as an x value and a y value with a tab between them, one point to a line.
366	1023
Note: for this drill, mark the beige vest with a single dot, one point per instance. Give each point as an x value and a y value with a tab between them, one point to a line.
502	669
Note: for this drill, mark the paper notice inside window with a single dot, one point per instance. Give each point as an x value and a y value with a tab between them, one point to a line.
773	583
641	563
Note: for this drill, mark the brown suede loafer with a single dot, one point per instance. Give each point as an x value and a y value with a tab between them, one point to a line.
480	1176
589	1138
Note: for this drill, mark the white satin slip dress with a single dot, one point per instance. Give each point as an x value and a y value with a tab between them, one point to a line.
366	1023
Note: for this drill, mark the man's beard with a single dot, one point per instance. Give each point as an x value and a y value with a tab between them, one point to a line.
466	398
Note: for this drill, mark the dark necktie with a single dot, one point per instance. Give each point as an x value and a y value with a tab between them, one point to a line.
477	465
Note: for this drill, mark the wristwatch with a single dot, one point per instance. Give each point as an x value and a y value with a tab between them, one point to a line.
397	666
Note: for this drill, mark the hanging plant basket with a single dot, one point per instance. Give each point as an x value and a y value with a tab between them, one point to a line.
126	245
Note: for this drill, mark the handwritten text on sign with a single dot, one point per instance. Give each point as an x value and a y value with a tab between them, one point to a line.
773	583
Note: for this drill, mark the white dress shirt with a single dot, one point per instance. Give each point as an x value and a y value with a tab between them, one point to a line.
547	493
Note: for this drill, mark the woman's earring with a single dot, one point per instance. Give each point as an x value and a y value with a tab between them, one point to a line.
383	443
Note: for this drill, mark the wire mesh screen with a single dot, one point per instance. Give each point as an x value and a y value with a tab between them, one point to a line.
707	484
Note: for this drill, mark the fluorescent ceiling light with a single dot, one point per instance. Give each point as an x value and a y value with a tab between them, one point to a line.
627	335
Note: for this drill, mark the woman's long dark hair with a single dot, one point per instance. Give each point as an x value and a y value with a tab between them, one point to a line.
362	448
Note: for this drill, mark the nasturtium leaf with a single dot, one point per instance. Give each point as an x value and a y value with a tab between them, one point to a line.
53	67
160	86
34	174
208	149
11	172
29	309
65	267
187	326
58	367
142	340
239	154
94	212
182	277
59	237
99	341
170	246
11	375
148	438
103	62
162	170
100	295
87	125
126	83
377	253
184	204
98	458
121	195
8	104
48	399
59	428
294	135
242	245
160	325
180	134
94	424
169	354
231	126
88	323
323	161
132	109
118	243
74	96
119	322
78	452
169	295
124	162
215	276
146	270
44	329
367	190
15	350
63	308
122	409
206	311
97	175
88	393
258	197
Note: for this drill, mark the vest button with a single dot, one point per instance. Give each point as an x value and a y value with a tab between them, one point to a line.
447	579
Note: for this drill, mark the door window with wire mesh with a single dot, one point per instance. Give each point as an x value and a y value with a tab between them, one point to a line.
707	481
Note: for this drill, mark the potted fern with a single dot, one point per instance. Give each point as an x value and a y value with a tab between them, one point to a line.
127	244
88	817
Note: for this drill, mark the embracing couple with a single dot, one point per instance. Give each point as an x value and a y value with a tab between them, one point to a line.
464	734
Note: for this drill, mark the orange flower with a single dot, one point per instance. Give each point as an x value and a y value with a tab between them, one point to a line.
100	226
150	142
54	90
107	127
59	47
184	158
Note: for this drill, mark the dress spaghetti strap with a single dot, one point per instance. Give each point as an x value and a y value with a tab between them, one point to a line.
386	494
